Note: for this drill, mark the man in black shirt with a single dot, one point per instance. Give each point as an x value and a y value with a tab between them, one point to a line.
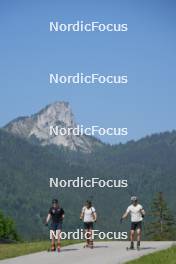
56	215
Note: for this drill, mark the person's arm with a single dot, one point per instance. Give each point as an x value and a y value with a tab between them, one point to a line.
63	214
125	215
142	212
95	216
82	214
48	218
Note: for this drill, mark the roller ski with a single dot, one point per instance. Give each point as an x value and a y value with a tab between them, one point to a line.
52	248
86	246
131	246
89	244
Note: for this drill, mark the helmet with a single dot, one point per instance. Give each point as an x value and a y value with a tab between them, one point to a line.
89	203
54	201
134	198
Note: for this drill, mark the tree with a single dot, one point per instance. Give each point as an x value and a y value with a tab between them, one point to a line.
7	228
162	225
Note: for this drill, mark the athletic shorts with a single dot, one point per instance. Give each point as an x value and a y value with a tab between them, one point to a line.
88	225
136	225
56	226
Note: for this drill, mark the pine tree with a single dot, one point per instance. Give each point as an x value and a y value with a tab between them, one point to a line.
162	225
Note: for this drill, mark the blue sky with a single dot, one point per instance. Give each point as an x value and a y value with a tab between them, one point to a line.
146	53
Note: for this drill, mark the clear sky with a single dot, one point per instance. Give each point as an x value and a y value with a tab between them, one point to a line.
29	52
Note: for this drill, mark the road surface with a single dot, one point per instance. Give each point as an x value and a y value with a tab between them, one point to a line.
104	253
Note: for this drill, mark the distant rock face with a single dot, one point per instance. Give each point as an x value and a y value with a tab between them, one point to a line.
37	127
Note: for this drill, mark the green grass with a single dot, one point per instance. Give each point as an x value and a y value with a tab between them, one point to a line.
167	256
19	249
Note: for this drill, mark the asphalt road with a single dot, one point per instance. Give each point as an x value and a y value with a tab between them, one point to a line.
104	253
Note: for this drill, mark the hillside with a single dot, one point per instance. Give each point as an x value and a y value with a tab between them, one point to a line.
148	165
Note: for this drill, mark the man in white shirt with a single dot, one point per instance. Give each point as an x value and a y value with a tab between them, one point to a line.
88	216
137	214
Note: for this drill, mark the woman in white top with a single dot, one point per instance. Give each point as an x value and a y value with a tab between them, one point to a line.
88	216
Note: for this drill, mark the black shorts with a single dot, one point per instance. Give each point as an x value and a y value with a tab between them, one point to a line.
136	225
88	225
56	226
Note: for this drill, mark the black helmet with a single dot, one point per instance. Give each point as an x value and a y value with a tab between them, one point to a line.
54	201
89	203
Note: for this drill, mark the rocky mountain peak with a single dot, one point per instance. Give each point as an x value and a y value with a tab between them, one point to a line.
56	112
36	128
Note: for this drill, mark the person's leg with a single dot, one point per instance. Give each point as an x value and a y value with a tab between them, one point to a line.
53	238
86	231
91	238
59	240
59	230
132	238
86	234
53	247
139	233
132	233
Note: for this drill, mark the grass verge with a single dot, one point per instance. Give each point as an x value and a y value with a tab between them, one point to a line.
19	249
162	257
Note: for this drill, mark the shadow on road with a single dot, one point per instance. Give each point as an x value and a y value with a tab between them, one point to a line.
69	249
146	248
100	246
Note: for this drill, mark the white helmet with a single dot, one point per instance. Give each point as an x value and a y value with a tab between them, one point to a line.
134	198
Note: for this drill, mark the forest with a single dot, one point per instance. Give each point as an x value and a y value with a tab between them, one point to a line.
25	169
